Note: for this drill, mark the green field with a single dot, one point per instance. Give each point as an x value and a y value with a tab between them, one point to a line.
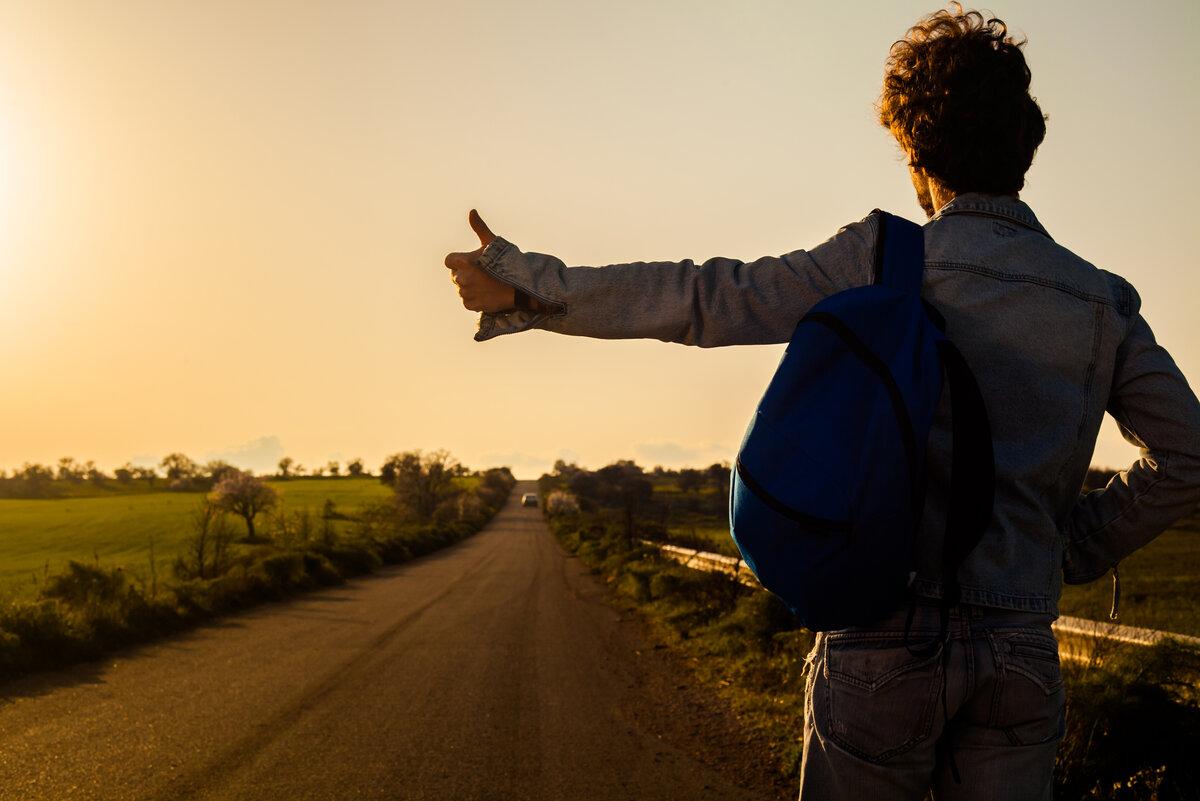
39	537
714	539
346	493
1160	585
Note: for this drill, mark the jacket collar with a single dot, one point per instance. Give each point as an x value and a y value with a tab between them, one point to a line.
1007	208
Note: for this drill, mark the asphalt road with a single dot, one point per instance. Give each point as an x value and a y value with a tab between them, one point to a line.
491	670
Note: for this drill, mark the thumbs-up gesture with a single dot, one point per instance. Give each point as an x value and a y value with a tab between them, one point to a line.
479	291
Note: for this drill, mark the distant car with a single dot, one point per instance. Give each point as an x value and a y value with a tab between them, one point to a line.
529	499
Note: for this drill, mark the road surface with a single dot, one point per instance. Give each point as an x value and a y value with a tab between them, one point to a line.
490	670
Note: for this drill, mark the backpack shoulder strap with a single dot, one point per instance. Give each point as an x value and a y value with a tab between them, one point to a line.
973	466
899	253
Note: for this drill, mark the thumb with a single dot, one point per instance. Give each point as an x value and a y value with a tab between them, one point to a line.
480	228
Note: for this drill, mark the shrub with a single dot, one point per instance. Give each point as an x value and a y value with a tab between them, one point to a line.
1133	727
88	609
206	551
560	503
352	559
321	570
755	621
284	571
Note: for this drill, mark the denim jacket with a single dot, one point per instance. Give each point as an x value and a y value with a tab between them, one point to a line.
1054	343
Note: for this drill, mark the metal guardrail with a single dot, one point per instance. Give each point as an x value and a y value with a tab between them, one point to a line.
710	562
1078	639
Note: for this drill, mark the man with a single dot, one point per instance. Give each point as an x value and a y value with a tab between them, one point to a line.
1053	341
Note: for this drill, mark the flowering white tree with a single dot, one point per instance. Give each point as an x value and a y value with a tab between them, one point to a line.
243	495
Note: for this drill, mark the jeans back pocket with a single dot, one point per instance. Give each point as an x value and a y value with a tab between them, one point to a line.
873	697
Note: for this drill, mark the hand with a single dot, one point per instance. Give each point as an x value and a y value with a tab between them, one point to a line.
479	291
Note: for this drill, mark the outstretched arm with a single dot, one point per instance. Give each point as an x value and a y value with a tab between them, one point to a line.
719	302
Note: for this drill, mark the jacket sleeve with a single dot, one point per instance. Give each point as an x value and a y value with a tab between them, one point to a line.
719	302
1157	411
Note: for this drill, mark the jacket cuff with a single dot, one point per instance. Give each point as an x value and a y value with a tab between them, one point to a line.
502	260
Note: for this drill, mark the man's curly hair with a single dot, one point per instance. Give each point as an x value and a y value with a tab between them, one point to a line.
956	97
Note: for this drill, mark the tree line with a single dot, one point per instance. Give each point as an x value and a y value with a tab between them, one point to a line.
175	472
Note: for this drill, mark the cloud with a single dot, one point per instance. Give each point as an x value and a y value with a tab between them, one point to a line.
523	465
666	453
260	456
675	455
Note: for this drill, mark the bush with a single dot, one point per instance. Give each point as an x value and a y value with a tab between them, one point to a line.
1133	727
356	559
89	609
756	620
560	503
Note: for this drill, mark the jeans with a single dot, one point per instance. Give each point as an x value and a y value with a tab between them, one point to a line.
891	716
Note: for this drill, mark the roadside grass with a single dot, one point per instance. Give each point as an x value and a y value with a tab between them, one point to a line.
39	537
90	607
1159	583
1133	715
1133	720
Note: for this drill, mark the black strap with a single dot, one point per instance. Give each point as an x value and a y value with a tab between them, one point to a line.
899	253
973	465
899	263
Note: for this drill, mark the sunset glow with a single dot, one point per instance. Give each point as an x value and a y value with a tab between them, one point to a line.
222	224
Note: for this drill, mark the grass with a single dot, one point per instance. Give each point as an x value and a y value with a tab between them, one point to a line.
706	537
92	605
346	493
1133	716
1159	585
39	538
1133	723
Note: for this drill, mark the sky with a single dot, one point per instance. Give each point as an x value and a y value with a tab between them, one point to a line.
222	223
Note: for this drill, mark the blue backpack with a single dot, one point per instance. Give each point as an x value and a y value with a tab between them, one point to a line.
827	495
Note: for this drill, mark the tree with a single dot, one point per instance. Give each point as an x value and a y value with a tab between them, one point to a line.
178	466
334	468
244	495
422	481
387	471
206	551
690	479
565	469
355	467
718	475
624	484
217	470
285	467
124	473
69	470
146	473
34	480
94	474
